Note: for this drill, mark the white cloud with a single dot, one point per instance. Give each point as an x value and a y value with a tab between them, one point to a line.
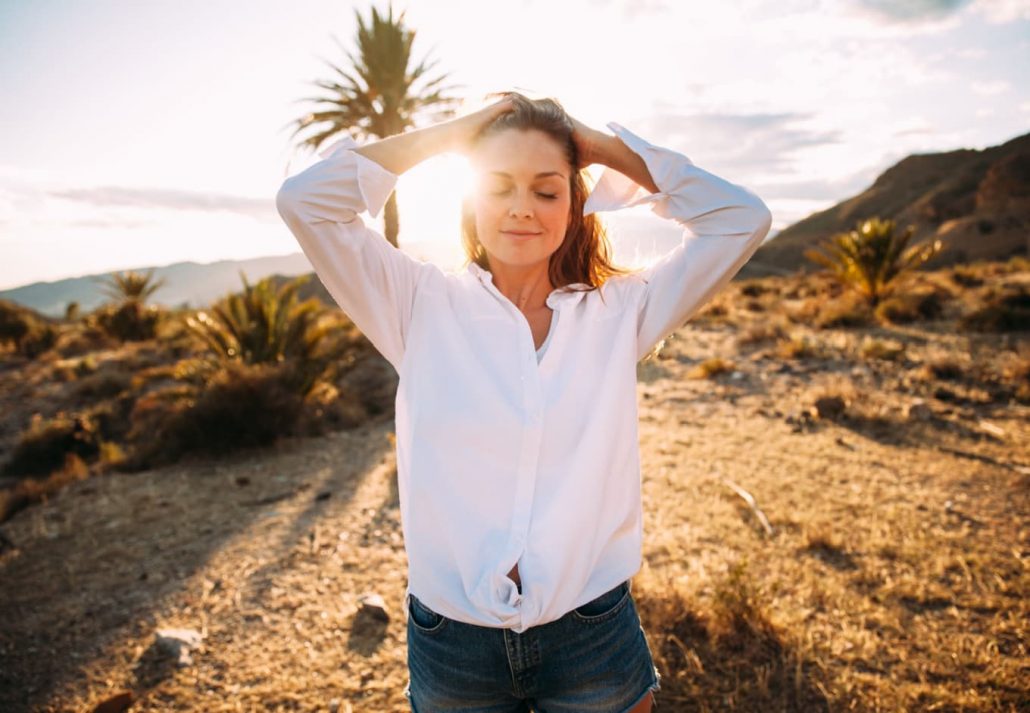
1000	12
996	86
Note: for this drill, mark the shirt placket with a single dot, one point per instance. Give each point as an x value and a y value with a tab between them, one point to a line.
532	436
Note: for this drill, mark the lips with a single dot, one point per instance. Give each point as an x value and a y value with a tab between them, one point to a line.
520	233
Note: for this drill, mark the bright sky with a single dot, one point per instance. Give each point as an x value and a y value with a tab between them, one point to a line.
146	133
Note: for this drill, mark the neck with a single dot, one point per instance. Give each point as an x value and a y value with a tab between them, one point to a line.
527	286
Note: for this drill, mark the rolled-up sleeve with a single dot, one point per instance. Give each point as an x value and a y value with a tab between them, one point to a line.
372	281
723	225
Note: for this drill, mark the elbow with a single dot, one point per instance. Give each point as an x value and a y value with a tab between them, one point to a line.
761	218
765	220
284	199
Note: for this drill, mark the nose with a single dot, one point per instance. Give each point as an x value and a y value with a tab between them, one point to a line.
520	208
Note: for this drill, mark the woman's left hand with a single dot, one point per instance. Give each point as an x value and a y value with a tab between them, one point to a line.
587	141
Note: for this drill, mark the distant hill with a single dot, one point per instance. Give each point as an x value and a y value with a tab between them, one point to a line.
189	283
976	202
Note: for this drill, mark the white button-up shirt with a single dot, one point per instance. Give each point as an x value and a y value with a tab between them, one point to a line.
501	458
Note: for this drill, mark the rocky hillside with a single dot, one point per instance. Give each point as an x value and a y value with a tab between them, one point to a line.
976	202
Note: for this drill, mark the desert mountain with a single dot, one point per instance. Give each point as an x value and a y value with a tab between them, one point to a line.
976	201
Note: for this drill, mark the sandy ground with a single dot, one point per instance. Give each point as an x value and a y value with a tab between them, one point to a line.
896	574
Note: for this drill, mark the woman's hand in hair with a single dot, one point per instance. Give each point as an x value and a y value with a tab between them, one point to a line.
400	152
462	130
587	141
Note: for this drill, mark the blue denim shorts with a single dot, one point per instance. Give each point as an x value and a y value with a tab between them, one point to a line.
594	659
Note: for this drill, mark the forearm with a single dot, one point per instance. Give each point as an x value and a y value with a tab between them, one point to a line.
401	152
612	152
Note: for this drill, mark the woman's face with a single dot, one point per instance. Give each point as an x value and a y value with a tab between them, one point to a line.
521	196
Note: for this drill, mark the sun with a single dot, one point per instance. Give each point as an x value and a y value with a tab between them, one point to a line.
429	198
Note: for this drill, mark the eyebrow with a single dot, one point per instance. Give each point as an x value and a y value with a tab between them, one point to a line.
543	174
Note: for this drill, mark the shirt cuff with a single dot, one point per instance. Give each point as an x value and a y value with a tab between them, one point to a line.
375	182
615	190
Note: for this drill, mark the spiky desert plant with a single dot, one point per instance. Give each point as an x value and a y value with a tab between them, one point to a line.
872	256
264	325
131	285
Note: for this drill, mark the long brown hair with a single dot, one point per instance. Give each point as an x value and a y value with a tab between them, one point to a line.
584	255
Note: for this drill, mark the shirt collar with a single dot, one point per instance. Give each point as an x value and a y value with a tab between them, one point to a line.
555	300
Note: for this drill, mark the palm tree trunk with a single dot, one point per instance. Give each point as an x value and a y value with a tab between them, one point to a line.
391	220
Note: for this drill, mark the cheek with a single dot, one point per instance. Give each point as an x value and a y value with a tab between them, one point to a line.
557	216
486	212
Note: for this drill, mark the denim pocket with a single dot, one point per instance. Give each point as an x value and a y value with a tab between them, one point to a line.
605	606
423	618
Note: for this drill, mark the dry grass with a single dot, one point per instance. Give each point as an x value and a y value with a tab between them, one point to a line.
711	368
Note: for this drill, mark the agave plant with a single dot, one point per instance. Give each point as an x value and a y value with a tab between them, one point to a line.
265	325
128	318
870	257
132	285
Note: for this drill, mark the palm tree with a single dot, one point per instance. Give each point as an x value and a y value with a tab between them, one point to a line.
377	96
872	256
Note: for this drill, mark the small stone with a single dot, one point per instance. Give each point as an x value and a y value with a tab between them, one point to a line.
374	605
918	410
829	406
115	704
177	644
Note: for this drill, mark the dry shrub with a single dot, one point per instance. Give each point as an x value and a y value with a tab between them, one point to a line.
713	312
328	408
942	369
1003	310
843	313
31	490
801	346
882	349
764	331
46	444
130	320
1017	373
102	384
728	652
912	307
756	288
710	368
837	387
822	313
966	276
83	340
244	406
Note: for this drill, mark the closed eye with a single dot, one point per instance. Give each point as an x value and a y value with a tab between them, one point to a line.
547	196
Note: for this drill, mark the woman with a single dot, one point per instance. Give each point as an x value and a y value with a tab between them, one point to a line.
517	455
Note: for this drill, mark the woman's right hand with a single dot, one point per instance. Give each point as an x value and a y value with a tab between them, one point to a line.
463	129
